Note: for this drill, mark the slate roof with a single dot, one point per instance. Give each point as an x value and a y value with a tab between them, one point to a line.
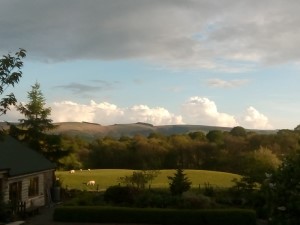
20	159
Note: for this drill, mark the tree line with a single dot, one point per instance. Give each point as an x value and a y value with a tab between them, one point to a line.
236	151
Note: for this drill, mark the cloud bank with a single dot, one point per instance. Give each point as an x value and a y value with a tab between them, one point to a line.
195	111
229	35
106	113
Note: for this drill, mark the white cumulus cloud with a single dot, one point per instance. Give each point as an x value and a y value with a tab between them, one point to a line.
199	110
196	110
255	120
67	111
106	113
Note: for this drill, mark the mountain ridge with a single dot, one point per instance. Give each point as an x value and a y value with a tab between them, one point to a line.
92	131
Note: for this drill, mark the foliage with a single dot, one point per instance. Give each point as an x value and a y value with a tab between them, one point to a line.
284	190
243	192
98	214
140	178
81	198
10	74
36	121
208	190
179	183
238	132
70	162
120	195
155	198
215	136
200	136
78	149
5	210
34	127
262	161
191	200
218	151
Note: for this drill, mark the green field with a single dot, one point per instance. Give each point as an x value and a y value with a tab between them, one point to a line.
108	177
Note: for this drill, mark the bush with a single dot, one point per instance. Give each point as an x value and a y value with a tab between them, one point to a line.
86	198
5	210
208	190
154	216
120	195
196	201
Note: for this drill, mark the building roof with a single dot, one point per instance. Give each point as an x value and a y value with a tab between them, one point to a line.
20	159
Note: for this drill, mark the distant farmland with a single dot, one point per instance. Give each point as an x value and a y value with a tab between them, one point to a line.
108	177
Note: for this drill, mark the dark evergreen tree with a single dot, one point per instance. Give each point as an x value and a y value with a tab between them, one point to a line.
34	128
179	183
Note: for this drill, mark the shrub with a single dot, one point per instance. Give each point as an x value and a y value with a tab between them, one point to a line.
155	216
284	191
196	201
5	211
86	198
139	178
208	190
120	195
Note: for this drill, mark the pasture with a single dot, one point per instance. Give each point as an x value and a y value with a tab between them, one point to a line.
109	177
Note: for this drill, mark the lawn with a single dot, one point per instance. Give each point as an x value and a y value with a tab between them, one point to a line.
108	177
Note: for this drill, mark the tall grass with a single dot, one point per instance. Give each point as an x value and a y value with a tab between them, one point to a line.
109	177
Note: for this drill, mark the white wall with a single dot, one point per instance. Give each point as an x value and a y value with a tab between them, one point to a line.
38	200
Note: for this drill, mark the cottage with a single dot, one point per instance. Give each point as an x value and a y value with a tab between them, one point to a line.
25	175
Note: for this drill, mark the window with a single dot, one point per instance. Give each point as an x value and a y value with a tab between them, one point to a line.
33	188
15	191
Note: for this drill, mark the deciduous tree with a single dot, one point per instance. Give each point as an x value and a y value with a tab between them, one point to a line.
285	191
10	74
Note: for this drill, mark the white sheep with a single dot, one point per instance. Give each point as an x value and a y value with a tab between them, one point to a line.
72	171
91	182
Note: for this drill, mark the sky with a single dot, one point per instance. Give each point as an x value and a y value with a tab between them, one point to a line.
203	62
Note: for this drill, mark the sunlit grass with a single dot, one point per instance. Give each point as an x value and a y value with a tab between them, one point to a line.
108	177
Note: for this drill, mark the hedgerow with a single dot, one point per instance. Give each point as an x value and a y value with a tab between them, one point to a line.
98	214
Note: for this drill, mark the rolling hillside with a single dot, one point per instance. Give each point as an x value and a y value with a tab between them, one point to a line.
108	177
91	131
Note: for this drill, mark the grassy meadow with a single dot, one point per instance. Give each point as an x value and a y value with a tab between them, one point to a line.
108	177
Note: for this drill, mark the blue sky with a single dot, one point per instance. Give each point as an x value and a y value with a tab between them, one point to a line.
208	62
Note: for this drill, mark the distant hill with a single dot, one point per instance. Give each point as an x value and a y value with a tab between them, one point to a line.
91	131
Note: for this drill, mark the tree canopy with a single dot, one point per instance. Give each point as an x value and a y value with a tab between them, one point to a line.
179	183
33	128
10	74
